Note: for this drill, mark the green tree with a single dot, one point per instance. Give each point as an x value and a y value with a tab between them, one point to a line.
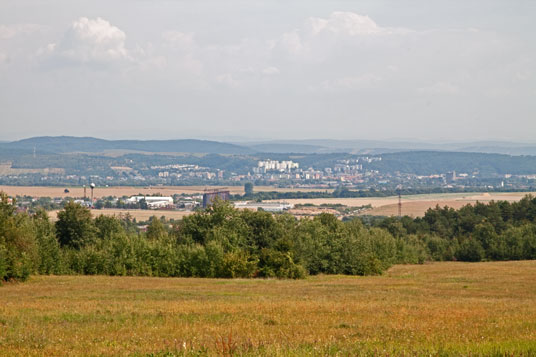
156	229
75	227
470	250
248	189
50	257
18	250
107	226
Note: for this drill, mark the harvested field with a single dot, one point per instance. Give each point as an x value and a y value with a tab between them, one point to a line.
140	215
6	169
119	191
414	205
432	309
413	208
417	208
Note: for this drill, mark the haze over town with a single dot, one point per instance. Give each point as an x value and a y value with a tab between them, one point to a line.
272	70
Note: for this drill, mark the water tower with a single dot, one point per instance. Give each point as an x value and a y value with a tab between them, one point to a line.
92	186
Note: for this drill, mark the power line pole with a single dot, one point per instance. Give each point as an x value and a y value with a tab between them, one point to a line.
399	190
399	205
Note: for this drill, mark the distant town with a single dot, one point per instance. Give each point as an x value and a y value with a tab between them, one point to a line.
65	161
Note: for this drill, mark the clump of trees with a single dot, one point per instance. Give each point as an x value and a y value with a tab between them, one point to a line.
222	241
218	242
493	231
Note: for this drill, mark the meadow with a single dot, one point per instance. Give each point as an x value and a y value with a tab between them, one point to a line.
139	214
413	205
432	309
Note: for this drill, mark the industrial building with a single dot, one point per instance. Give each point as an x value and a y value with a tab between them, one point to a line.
153	201
211	195
264	206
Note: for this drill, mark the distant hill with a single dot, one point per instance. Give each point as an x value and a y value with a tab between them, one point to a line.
434	162
69	144
286	147
371	147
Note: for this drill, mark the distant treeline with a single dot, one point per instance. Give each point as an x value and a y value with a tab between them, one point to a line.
494	231
225	242
433	162
344	192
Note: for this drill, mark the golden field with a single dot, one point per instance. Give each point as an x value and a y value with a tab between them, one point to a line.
414	205
119	191
138	214
432	309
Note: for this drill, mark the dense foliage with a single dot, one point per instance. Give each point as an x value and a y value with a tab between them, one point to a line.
494	231
218	242
432	162
225	242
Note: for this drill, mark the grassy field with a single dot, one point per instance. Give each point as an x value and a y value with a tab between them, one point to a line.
139	214
119	191
417	205
6	169
413	205
431	309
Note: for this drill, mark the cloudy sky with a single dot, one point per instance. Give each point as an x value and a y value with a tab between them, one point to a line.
151	69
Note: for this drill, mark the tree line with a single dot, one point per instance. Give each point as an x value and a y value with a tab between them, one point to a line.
223	242
220	241
498	230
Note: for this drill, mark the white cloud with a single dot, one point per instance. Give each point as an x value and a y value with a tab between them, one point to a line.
10	31
227	80
365	81
179	40
441	88
91	41
270	71
347	23
317	37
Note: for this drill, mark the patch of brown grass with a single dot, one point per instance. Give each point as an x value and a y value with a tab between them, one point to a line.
452	308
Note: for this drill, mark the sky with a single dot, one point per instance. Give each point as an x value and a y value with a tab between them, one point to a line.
442	70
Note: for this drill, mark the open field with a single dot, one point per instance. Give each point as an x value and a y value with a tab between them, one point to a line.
6	169
119	191
432	309
139	214
413	205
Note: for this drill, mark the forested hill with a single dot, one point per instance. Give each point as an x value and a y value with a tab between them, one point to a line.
67	144
433	162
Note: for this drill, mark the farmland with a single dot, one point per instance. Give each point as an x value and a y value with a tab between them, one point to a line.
119	191
439	308
414	205
138	214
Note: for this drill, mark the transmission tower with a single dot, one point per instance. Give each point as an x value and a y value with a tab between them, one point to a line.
399	189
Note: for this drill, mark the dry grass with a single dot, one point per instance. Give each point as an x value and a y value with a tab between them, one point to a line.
433	309
119	191
6	169
414	205
140	215
415	208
